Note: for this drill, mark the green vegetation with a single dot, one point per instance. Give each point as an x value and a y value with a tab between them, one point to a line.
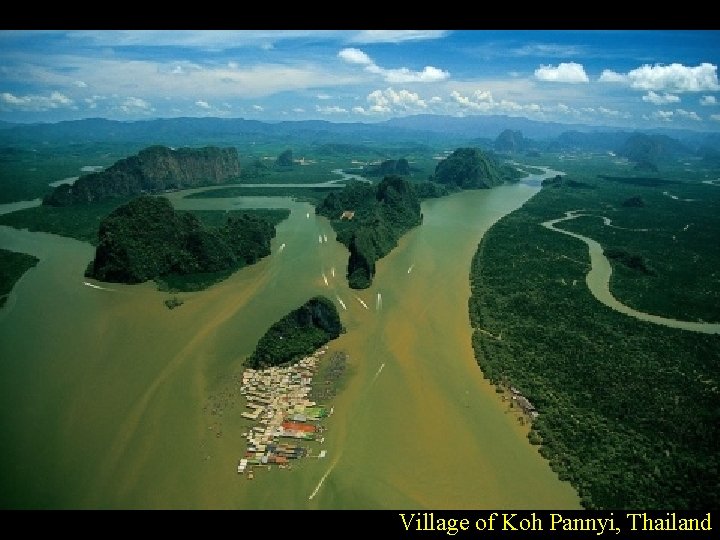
285	159
146	239
431	190
388	167
152	170
628	409
634	202
471	168
297	334
26	171
649	150
80	221
173	302
563	181
382	214
641	181
630	260
12	267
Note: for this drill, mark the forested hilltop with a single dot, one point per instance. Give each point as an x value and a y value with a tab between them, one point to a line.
298	334
152	170
471	168
147	239
369	220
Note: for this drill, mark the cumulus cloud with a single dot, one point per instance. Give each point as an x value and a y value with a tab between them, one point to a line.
323	96
258	108
80	84
674	78
715	117
483	101
393	101
565	72
396	36
202	104
708	100
135	105
332	109
665	116
298	110
394	75
690	115
34	102
610	76
658	99
355	56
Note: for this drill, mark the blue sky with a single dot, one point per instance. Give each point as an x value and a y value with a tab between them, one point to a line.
634	79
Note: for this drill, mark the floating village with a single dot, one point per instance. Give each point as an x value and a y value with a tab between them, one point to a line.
282	413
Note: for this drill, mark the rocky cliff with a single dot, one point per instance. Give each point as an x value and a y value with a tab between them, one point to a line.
152	170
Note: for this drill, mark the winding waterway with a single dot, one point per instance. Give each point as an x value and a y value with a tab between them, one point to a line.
102	392
598	281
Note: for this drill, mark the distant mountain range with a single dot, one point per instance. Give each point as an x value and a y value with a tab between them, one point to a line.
420	129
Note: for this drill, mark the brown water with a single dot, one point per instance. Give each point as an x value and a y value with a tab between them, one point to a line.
102	391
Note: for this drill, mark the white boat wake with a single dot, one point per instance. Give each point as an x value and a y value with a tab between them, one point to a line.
410	269
378	302
282	246
377	373
362	302
325	279
341	302
88	284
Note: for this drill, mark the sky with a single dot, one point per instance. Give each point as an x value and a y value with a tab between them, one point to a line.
629	79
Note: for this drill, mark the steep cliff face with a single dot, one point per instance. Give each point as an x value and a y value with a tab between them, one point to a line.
468	168
298	333
154	169
147	239
382	214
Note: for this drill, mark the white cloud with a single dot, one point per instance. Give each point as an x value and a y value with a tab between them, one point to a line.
608	75
658	99
323	96
665	116
396	75
690	115
355	56
391	100
202	104
565	72
396	36
135	105
358	110
35	103
715	117
80	84
675	78
258	108
213	40
708	100
332	109
613	113
149	79
298	110
435	99
546	49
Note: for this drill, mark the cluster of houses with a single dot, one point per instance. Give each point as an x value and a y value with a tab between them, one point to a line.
524	403
278	402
